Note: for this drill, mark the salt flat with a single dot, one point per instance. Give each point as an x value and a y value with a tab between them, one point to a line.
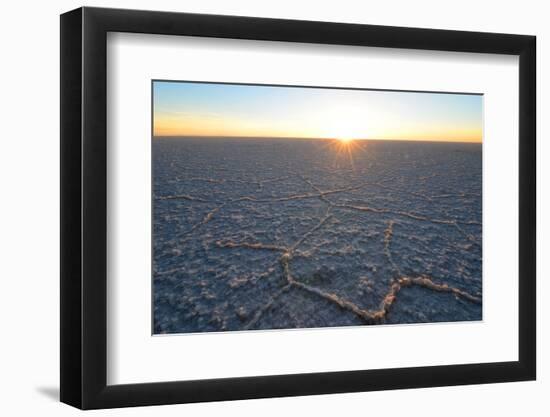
261	233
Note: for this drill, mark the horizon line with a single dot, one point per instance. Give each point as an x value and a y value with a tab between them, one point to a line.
313	138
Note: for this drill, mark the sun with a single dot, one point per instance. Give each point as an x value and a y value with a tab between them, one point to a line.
346	149
345	141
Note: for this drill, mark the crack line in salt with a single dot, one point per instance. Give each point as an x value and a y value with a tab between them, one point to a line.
388	235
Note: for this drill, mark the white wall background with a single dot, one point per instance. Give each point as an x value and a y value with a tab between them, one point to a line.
29	225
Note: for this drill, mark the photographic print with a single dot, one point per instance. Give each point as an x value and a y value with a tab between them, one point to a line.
283	207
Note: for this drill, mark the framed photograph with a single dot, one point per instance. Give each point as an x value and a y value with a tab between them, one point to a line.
256	207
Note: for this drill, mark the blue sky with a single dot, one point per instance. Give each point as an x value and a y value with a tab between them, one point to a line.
209	109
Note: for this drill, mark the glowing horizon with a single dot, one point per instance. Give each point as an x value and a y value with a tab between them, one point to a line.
237	110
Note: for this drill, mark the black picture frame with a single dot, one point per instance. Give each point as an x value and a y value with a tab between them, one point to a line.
84	207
